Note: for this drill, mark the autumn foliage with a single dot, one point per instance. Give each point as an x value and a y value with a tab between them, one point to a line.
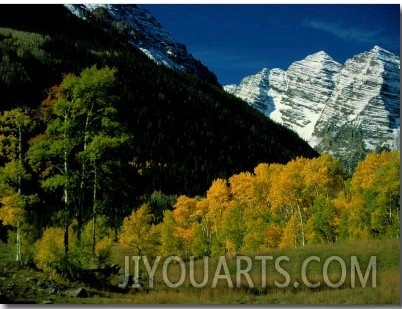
278	206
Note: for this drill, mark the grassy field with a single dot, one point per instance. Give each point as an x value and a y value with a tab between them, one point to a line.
293	291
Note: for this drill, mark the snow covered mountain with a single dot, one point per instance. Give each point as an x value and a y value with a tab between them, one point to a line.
254	89
142	30
346	110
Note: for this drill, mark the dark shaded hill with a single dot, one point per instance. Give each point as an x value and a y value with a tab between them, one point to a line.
187	132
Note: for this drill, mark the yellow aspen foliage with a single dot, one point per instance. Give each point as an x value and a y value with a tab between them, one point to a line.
103	250
201	242
254	212
219	191
321	223
183	211
273	234
137	232
375	196
100	251
290	237
263	180
203	228
262	184
242	187
233	225
230	246
185	216
322	176
340	203
371	166
387	181
13	123
50	253
184	237
287	191
305	200
261	171
365	171
12	210
286	196
218	196
201	210
312	235
385	219
358	218
254	238
50	249
343	220
168	240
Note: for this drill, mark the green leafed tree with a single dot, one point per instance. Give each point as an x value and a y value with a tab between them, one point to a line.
138	232
168	240
80	129
15	127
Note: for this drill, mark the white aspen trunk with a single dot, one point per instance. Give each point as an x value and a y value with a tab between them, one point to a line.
301	223
18	256
65	158
94	215
83	175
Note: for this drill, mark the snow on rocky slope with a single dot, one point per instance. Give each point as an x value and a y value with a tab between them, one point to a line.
346	110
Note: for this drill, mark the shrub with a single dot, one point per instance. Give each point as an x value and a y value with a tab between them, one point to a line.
50	248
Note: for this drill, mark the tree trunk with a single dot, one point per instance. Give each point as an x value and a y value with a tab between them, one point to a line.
65	205
94	214
18	256
301	223
19	158
80	212
66	210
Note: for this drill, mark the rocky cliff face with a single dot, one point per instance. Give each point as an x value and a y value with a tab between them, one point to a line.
310	83
346	110
362	114
254	89
142	30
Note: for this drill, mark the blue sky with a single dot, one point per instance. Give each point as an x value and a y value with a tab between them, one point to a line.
236	40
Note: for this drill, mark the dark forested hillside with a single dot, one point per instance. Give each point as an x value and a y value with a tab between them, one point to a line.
185	132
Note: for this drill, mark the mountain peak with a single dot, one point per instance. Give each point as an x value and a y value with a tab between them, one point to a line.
382	53
142	30
320	56
334	106
377	49
264	73
376	53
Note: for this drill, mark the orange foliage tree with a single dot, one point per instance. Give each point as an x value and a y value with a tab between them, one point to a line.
303	201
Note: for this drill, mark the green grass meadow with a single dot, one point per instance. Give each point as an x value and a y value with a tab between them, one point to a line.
386	291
